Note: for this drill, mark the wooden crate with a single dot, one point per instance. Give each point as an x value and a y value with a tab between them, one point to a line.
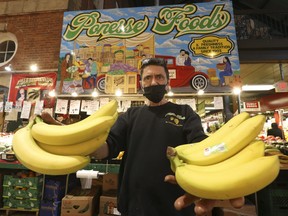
126	83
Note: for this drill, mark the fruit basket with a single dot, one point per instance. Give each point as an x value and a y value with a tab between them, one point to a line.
221	66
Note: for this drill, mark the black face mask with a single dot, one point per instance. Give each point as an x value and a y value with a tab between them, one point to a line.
155	93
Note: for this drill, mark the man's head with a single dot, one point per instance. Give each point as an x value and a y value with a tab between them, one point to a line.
182	52
154	79
156	62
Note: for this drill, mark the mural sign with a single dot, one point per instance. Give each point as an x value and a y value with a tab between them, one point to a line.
32	88
100	48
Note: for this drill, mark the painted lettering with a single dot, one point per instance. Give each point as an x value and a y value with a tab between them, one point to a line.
181	19
89	22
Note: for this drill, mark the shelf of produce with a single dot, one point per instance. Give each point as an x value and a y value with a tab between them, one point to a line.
101	166
11	165
105	166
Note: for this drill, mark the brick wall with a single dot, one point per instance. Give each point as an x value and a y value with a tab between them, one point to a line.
39	38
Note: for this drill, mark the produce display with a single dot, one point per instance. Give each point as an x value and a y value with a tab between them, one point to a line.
70	145
228	164
276	146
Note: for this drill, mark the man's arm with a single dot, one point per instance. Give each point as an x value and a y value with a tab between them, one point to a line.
102	152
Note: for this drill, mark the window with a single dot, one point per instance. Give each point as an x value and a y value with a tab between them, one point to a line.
8	47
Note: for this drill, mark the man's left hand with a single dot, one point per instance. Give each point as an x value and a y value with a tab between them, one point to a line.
202	206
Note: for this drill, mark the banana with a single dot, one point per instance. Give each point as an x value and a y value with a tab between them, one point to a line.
36	159
223	131
223	147
108	109
73	133
230	183
84	148
254	150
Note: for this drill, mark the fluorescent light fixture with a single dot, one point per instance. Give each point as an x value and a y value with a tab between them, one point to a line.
257	87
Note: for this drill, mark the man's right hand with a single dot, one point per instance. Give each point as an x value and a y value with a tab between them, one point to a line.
47	118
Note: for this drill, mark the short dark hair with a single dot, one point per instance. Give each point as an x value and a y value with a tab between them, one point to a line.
154	61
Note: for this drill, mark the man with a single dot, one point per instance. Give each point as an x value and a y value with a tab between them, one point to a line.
144	133
93	73
275	131
180	59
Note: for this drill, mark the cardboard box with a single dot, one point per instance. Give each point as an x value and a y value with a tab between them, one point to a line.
110	184
81	202
108	206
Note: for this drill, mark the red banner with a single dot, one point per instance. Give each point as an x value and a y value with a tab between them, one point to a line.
32	87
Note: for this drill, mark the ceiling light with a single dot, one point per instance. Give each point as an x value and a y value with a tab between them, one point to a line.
118	92
33	67
236	90
52	93
257	87
74	94
95	93
8	68
200	92
170	93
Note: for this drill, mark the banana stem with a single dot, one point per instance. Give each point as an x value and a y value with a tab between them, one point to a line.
30	123
175	162
38	119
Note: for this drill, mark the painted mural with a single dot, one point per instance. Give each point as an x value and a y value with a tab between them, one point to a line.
103	49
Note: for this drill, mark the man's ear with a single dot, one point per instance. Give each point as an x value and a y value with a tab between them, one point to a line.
141	84
168	87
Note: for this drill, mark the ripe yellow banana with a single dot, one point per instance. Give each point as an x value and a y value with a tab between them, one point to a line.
36	159
223	147
108	109
84	148
223	131
73	133
233	182
254	150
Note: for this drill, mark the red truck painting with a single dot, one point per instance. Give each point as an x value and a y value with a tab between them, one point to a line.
180	76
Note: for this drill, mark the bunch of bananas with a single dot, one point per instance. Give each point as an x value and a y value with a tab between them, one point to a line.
228	164
59	150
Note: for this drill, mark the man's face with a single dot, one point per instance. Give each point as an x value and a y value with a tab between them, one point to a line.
182	53
153	75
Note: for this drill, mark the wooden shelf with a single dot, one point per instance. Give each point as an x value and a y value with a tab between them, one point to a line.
16	212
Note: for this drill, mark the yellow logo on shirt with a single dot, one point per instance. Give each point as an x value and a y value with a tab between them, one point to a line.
172	118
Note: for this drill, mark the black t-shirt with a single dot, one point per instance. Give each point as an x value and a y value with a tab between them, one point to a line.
144	134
